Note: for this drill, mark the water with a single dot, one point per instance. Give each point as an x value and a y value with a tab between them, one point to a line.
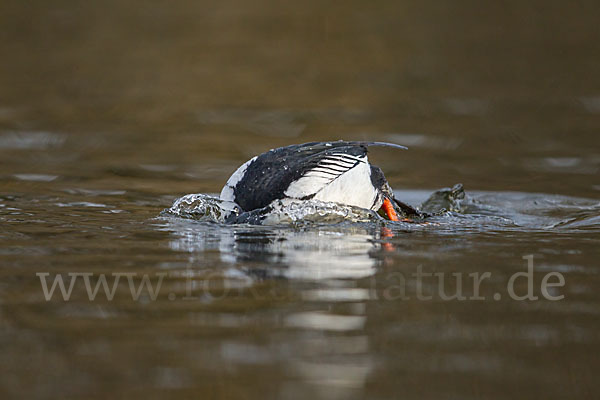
111	112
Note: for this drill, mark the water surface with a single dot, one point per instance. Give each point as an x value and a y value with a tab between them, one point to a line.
111	111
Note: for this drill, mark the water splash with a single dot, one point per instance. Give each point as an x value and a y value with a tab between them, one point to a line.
203	207
446	199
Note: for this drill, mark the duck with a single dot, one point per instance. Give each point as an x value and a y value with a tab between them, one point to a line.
334	171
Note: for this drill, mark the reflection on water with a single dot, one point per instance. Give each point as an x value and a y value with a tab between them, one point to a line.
323	265
311	253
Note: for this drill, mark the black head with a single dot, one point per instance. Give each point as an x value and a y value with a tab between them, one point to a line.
403	209
378	180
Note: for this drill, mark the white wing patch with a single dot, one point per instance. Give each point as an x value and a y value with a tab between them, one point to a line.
340	178
227	191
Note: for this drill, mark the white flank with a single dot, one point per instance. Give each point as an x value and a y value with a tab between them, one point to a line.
352	187
308	185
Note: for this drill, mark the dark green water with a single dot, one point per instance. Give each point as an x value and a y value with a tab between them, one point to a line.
110	111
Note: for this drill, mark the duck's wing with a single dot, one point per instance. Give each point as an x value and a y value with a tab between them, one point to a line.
297	171
325	168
